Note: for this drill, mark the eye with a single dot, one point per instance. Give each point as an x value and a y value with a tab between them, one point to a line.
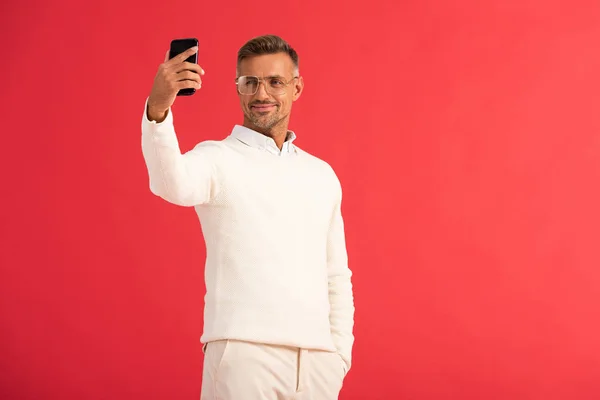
276	82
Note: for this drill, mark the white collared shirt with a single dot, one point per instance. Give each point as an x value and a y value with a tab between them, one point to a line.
262	142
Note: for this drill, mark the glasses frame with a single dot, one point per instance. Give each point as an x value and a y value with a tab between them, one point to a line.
262	80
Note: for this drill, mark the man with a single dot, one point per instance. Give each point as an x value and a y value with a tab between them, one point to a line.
279	308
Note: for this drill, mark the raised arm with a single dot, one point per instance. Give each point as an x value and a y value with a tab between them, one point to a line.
183	179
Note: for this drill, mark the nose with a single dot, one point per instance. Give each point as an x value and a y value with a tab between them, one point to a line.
261	92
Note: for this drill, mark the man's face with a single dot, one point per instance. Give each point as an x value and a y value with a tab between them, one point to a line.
267	108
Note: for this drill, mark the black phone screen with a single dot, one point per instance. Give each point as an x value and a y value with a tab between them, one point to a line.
178	46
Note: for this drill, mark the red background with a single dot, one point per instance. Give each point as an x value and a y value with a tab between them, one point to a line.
467	138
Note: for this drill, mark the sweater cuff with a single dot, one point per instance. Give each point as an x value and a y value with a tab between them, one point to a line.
162	133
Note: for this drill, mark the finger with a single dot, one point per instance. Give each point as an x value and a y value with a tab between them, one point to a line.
167	55
181	57
189	85
191	67
188	75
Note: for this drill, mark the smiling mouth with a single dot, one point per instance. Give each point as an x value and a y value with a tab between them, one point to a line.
262	107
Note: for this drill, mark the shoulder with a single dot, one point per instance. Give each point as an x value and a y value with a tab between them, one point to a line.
322	166
316	161
214	150
209	146
228	145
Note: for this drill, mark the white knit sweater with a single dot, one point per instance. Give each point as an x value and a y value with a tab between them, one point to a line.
276	263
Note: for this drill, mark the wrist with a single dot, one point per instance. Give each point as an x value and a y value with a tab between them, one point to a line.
156	114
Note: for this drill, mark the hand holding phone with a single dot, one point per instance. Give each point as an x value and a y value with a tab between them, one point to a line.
178	75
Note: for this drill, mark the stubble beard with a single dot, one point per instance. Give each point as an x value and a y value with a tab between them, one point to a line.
264	122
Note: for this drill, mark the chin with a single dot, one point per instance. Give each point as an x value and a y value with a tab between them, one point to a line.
265	127
264	123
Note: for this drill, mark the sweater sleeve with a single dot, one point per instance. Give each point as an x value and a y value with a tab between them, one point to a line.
182	179
341	297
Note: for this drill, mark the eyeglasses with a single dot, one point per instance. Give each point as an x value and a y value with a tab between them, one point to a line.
275	85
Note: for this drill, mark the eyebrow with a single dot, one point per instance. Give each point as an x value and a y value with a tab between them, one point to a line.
274	77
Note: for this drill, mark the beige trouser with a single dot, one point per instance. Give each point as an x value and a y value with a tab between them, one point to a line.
235	370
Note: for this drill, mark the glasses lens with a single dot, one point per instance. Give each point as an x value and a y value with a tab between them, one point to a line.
247	84
276	86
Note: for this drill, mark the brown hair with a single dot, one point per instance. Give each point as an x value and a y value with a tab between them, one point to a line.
266	44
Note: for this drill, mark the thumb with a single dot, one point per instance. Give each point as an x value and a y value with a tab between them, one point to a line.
167	56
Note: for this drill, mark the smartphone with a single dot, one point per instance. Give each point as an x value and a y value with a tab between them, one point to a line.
178	46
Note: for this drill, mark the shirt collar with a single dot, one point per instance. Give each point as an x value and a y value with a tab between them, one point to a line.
262	142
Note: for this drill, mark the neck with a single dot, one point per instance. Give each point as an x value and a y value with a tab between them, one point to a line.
277	132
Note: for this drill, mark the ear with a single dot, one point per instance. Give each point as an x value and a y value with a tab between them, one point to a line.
298	88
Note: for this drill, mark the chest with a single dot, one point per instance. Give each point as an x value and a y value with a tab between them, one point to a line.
279	189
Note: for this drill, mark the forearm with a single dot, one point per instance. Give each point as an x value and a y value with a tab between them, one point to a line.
341	316
341	296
